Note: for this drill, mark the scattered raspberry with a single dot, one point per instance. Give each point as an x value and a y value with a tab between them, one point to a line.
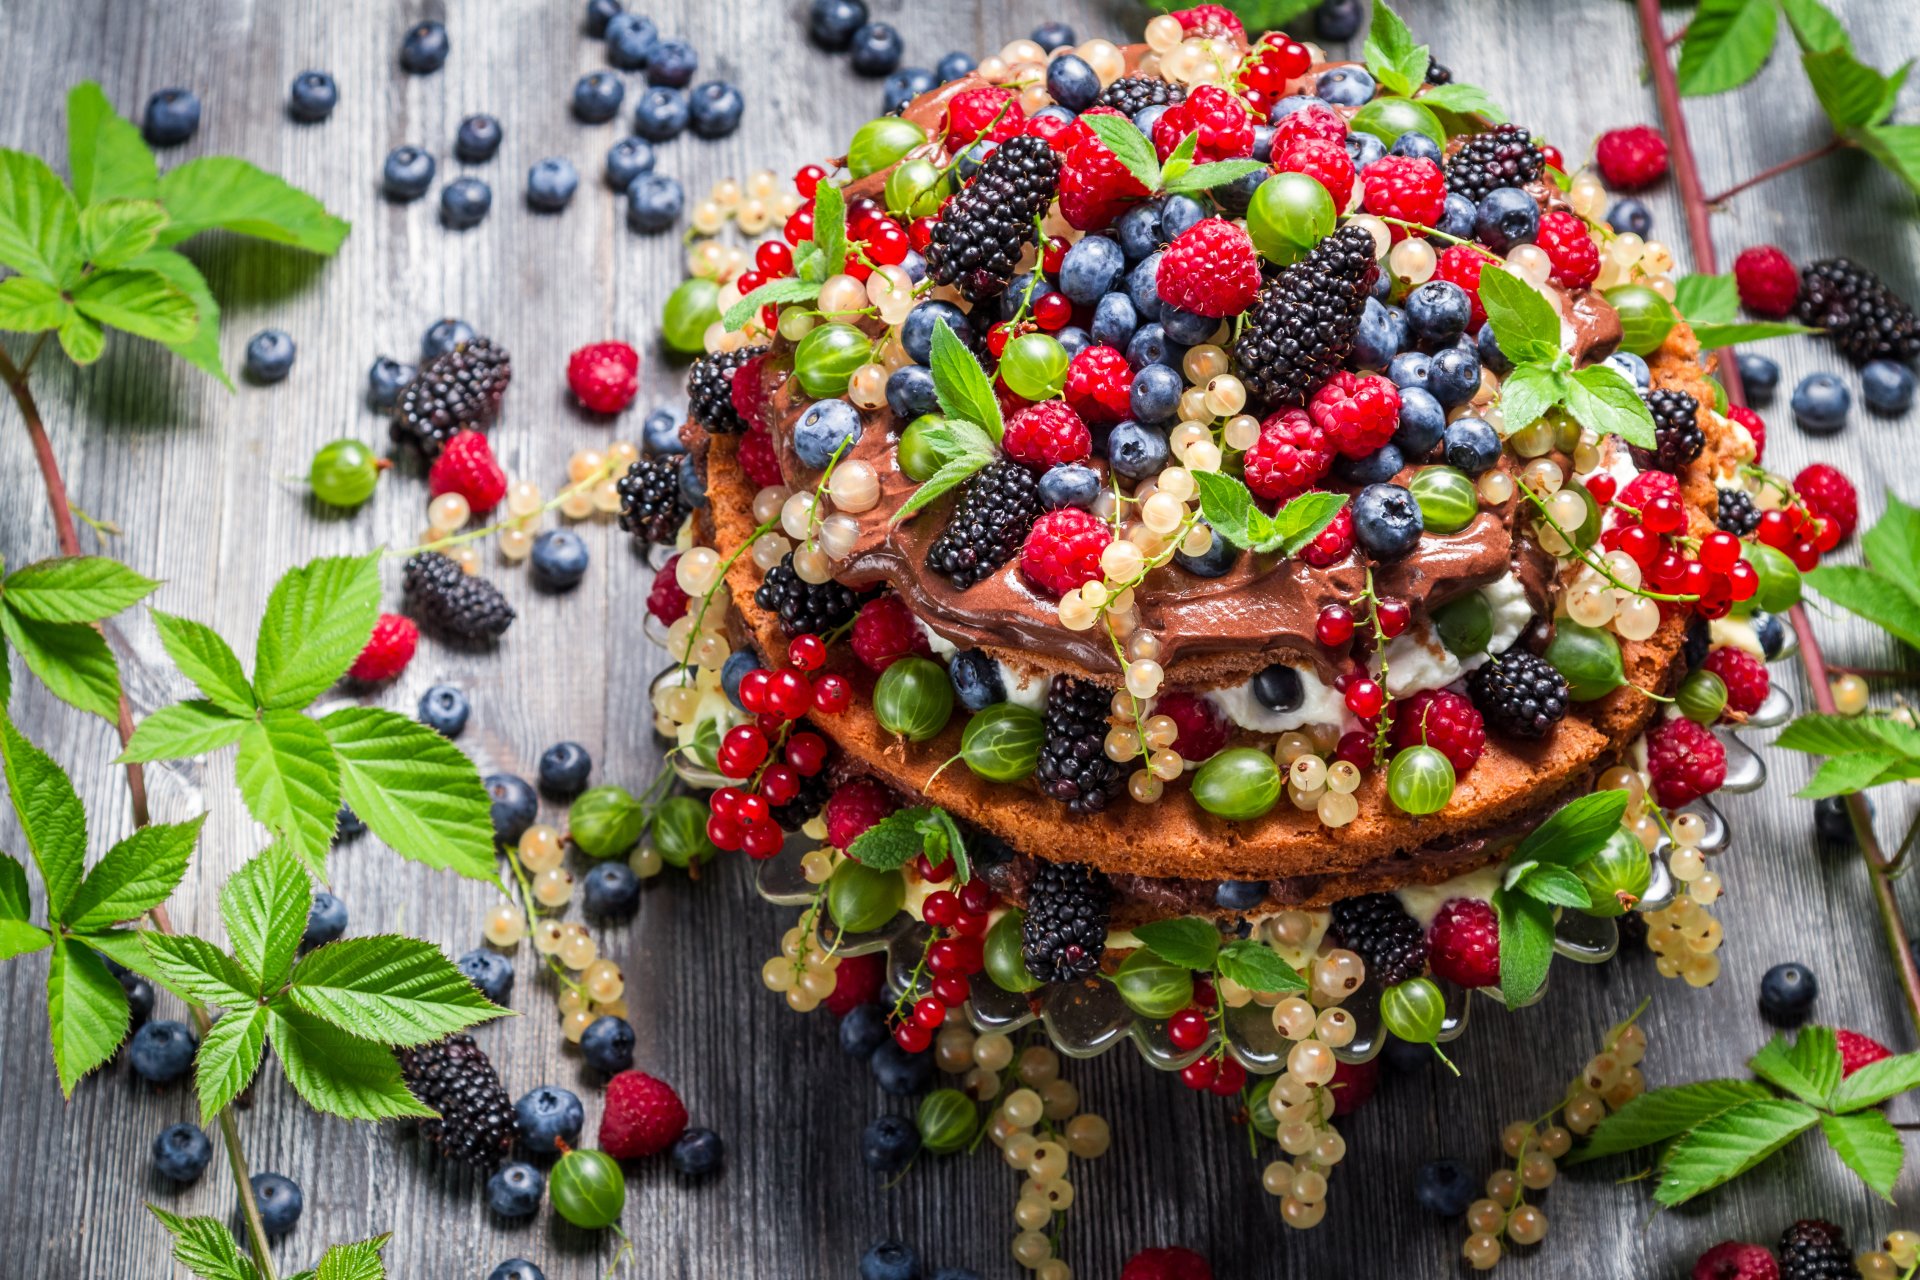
1631	158
885	632
1570	247
749	393
1686	762
389	649
1325	162
758	460
853	807
1358	413
665	600
1744	675
1289	458
1754	425
1333	542
1203	726
988	109
1857	1051
855	982
643	1116
1830	495
1463	943
466	466
1647	486
1062	552
1407	187
1100	385
1733	1260
1768	281
1172	1263
1316	120
1460	264
1045	435
604	375
1211	20
1211	268
1354	1084
1445	721
1222	120
1094	186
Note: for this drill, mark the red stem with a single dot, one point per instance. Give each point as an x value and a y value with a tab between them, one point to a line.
1806	157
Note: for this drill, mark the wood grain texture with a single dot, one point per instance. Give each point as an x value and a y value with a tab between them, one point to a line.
199	481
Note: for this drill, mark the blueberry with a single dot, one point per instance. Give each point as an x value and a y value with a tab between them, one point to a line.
597	96
1069	485
1771	632
312	97
953	66
1263	143
697	1153
599	14
172	117
326	919
1072	82
1156	397
269	355
1381	288
551	184
1491	356
424	49
1454	376
1179	214
1093	267
464	203
1423	422
1186	327
280	1202
910	391
1408	1057
733	671
1386	521
865	1029
347	825
1633	367
477	139
515	1190
1364	149
916	333
1053	35
1787	993
1214	562
1278	688
889	1143
1072	339
1344	86
890	1260
407	173
490	972
1135	451
1416	145
611	890
1239	895
875	50
1444	1187
1832	823
832	23
1382	332
956	1273
1139	230
386	379
976	155
1016	292
1472	445
445	335
630	41
564	766
1378	467
901	1073
1437	312
1235	197
654	202
1149	346
1338	20
547	1117
1506	217
181	1152
1457	216
1143	285
627	159
1291	103
1886	387
904	85
661	114
1820	404
1759	376
514	806
1627	214
516	1269
823	429
559	559
1410	369
140	997
1114	320
672	63
607	1043
976	679
162	1051
692	484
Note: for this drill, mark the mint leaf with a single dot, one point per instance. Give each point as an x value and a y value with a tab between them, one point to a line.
1300	521
416	791
182	731
1814	26
1725	1146
1205	177
1258	967
1867	1144
196	970
205	1247
290	779
70	658
142	302
119	230
204	658
950	475
338	1073
1809	1068
136	875
203	348
229	1058
86	1011
389	989
1654	1117
1464	99
1897	146
1876	1082
1555	886
358	1261
960	384
954	438
1742	332
15	904
105	152
1599	396
1526	945
81	337
1528	392
892	842
18	938
1727	43
830	227
1575	832
233	195
1227	504
1850	92
264	906
30	306
50	816
1130	147
1524	323
786	289
1391	55
317	621
74	589
39	221
1188	941
1881	600
1179	160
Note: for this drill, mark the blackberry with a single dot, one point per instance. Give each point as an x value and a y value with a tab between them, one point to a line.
1814	1250
977	241
457	391
809	799
453	602
1503	157
1695	641
1439	73
652	506
1378	928
804	606
1676	431
1301	325
1074	767
1519	694
454	1077
710	390
991	520
1130	95
1865	319
1065	932
1736	513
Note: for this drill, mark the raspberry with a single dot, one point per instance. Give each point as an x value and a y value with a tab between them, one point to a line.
1461	264
1171	1263
1446	721
1686	762
1211	269
604	375
1358	413
1094	185
989	109
1327	163
1463	943
643	1116
389	649
1756	427
466	467
885	632
852	808
1644	488
1211	20
1316	120
1733	1260
1203	726
1830	495
748	390
1744	675
1857	1051
1100	385
1769	283
1353	1085
1045	435
1407	187
1062	552
1333	542
1570	247
856	981
1631	158
1222	120
758	460
1289	458
665	600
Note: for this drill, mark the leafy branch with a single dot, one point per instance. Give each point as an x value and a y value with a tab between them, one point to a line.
1527	328
207	1248
906	834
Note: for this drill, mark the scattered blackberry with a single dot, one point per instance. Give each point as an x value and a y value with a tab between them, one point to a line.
977	241
710	390
1737	514
1865	319
454	1077
1814	1250
1519	694
652	507
802	606
1503	157
1301	325
1676	429
1130	95
1379	929
809	800
1439	73
453	602
1074	767
1065	932
454	392
989	523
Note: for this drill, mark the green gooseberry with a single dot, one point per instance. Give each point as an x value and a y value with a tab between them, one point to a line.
1004	954
588	1189
1290	214
1414	1010
691	309
1779	588
1617	876
913	698
680	832
1152	986
947	1121
1034	366
1465	625
878	143
1702	696
344	473
862	898
915	189
826	357
1420	780
1387	118
1001	743
1588	657
1645	318
605	821
1238	784
916	456
1589	531
1259	1113
1447	497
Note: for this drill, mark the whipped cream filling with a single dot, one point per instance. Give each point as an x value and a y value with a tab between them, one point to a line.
1024	688
1416	659
1320	703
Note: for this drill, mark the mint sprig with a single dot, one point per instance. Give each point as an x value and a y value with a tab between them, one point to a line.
1136	152
906	834
1193	943
969	438
1527	328
1230	510
48	612
1711	306
1539	879
1396	62
814	261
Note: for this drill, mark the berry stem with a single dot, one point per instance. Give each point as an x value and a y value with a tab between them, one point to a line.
1436	233
1773	171
1596	563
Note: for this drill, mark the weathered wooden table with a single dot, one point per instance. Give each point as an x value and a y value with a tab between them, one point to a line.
201	483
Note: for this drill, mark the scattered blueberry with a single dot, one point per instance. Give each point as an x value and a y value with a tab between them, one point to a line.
172	117
407	173
1831	821
610	890
672	63
890	1260
548	1116
630	41
654	202
181	1152
326	920
607	1043
1472	445
386	379
661	431
1263	143
489	971
865	1029
559	559
1114	321
1338	20
1053	35
976	679
627	159
692	485
889	1143
515	1190
514	806
1444	1187
1410	369
1506	217
875	49
661	114
1759	376
1820	404
1138	230
1770	632
901	1073
1454	376
445	335
733	671
444	709
1386	521
162	1051
279	1198
832	23
1186	327
269	355
1627	214
1149	345
516	1269
312	97
916	332
347	826
1383	331
464	203
597	96
551	184
823	429
954	65
564	768
904	85
698	1153
1180	214
1887	387
599	14
1787	993
1156	397
1072	82
424	49
1344	86
1214	562
1416	145
1239	895
140	997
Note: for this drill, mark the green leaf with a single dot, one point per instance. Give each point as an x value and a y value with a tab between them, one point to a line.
1893	543
203	348
18	938
1258	967
182	731
229	1058
950	475
125	947
1727	43
1654	1117
1179	160
1741	332
75	589
265	905
136	875
959	383
1814	26
144	303
30	306
1725	1146
196	970
81	338
1599	396
106	155
1301	520
940	837
1897	146
230	193
71	659
1204	177
416	791
1187	941
1867	1144
50	816
1464	99
1129	146
1395	60
1875	1083
120	230
317	621
205	1247
1524	324
809	263
892	842
1706	299
15	904
1554	886
1528	392
1575	832
1836	735
1880	600
1850	91
1808	1069
359	1261
1230	510
338	1073
1845	775
204	658
954	438
1526	945
86	1011
290	779
39	221
786	289
389	989
830	228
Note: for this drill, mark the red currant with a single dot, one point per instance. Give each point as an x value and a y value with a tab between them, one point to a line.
1804	555
1664	514
752	811
1356	748
1188	1029
725	803
831	695
779	784
1742	580
920	234
887	244
1828	536
1198	1074
1334	627
1775	529
1228	1079
753	689
807	181
1667	570
1639	544
1393	616
724	832
977	897
807	752
764	841
747	744
953	989
940	909
1602	488
798	227
774	259
929	1013
912	1037
863	215
1052	311
1718	551
971	924
790	694
1551	154
748	281
807	652
997	338
1365	698
1053	255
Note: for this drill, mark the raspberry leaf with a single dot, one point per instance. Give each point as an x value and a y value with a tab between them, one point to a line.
1726	44
39	220
1188	941
206	659
389	989
1656	1117
203	348
961	386
1809	1068
205	1247
1524	324
196	970
264	906
1600	397
106	155
135	876
70	658
1897	146
1867	1144
18	938
318	619
290	780
416	791
74	589
1879	598
1395	60
29	306
142	302
1814	26
775	291
229	1058
230	194
1850	92
14	902
181	731
358	1261
86	1011
119	230
1711	306
337	1073
1725	1146
830	227
1526	945
50	816
1875	1083
1258	967
1132	148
